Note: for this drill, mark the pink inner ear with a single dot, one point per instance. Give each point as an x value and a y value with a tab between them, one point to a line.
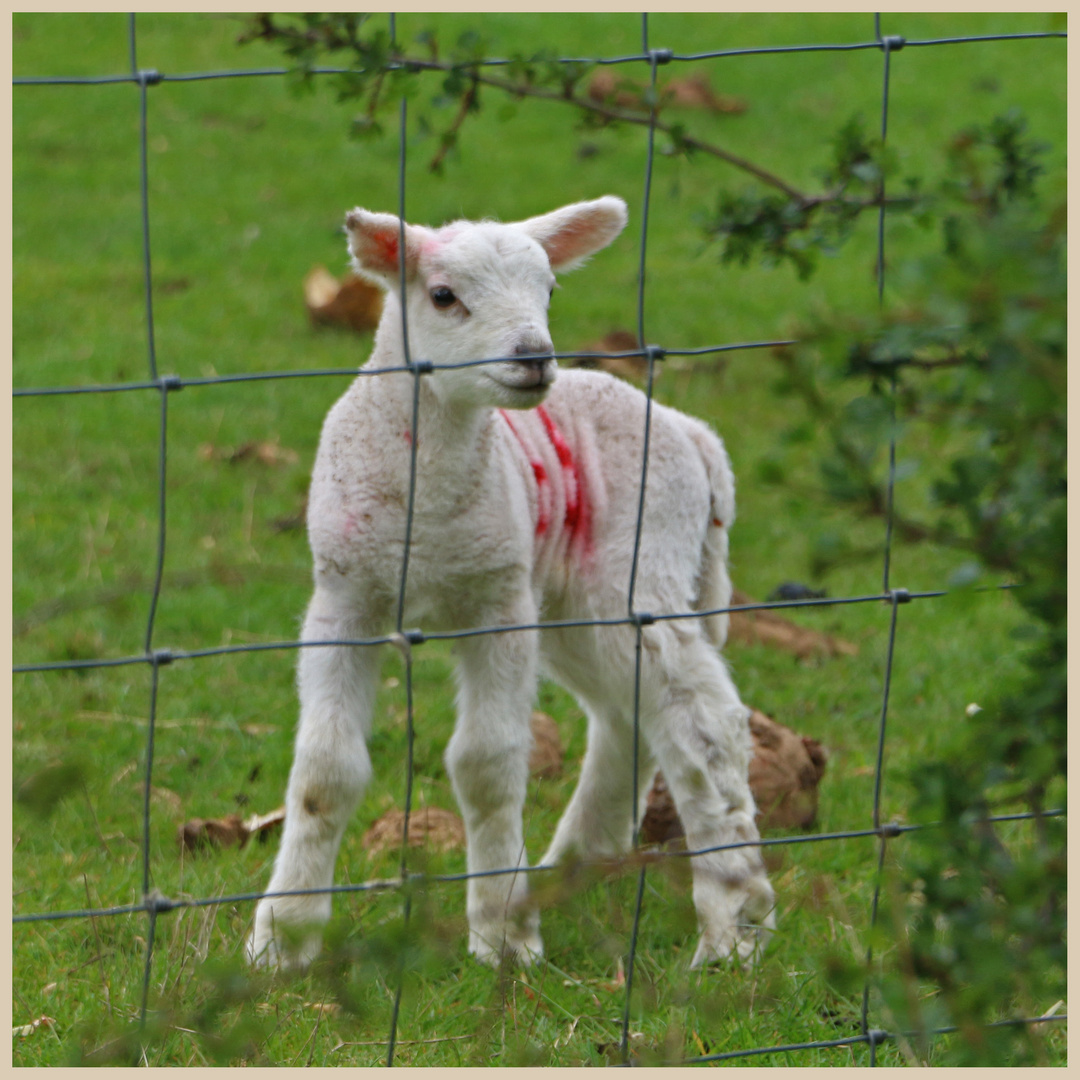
569	242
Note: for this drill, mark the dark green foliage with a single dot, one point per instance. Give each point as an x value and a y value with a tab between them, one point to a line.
977	349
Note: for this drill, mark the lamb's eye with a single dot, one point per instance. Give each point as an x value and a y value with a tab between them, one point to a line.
442	297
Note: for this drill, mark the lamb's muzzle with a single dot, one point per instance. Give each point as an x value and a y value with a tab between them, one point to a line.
523	513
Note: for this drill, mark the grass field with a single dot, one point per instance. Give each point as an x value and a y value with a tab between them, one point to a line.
248	184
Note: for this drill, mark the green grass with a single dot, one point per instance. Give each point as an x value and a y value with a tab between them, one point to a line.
247	189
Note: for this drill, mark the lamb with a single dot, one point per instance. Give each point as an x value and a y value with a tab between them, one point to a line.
525	509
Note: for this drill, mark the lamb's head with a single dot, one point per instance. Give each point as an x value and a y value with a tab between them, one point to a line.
480	290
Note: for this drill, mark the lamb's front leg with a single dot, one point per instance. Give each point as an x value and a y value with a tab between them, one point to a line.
488	762
330	769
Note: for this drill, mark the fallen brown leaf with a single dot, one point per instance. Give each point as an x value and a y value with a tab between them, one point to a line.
767	628
327	1008
351	302
785	771
23	1030
631	368
784	774
429	827
693	91
266	452
162	795
228	831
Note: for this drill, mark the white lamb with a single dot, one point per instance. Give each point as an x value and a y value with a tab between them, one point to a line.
523	512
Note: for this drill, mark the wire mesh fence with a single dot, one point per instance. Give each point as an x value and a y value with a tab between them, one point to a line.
652	55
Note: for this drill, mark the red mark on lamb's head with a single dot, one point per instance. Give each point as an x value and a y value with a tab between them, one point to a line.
387	244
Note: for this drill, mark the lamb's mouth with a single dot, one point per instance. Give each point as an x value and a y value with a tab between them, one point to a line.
524	375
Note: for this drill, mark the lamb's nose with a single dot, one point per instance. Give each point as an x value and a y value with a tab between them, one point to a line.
537	351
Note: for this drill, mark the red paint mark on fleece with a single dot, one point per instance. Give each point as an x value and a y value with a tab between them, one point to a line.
539	472
576	514
576	519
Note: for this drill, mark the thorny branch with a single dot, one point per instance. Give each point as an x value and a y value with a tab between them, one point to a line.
306	43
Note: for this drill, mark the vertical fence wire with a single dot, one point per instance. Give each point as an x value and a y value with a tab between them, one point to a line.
887	45
405	646
639	623
144	83
152	903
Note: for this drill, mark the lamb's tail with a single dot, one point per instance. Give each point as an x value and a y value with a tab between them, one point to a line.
714	584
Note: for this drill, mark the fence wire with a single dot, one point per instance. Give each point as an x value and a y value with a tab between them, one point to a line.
154	903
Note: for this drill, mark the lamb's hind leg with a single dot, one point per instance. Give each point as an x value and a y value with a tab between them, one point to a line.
330	769
701	740
598	822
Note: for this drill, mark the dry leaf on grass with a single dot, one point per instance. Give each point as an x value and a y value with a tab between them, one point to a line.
693	91
429	827
266	452
546	756
696	92
785	771
768	628
23	1030
351	302
784	774
631	368
229	830
327	1008
162	795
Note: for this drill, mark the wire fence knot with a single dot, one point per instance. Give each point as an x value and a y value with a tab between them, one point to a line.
404	640
900	596
171	382
661	56
161	657
157	902
655	352
148	77
893	42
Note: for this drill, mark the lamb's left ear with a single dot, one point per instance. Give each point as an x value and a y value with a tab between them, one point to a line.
573	233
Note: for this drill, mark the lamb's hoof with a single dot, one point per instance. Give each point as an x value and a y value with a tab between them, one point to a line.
506	945
281	948
743	939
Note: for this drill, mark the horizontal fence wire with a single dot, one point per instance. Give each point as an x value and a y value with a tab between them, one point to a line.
157	902
154	903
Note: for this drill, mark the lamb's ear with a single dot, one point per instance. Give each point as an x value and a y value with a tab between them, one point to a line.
573	233
374	241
